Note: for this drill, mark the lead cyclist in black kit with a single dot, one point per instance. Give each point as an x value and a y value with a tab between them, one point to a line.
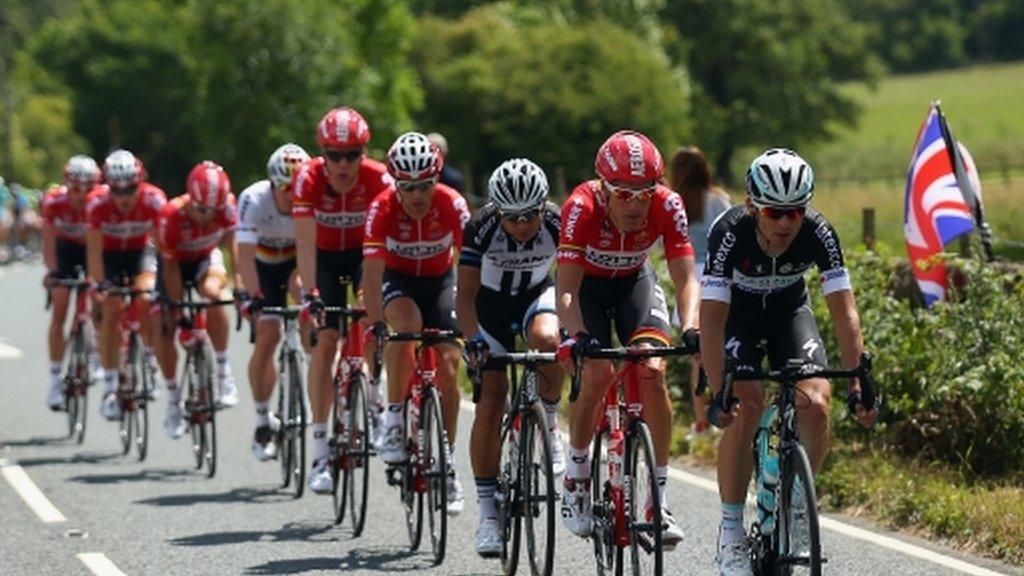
754	302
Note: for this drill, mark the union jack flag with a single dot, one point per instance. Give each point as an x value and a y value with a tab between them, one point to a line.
934	209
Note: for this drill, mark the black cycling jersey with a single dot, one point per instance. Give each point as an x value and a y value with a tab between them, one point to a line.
506	265
740	273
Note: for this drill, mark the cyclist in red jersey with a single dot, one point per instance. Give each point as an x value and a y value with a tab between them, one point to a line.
332	192
412	233
120	222
609	225
190	229
63	211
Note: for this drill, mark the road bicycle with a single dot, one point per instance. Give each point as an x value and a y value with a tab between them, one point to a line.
787	500
622	440
422	478
526	492
136	376
78	375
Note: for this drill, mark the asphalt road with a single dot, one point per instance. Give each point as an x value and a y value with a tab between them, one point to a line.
161	517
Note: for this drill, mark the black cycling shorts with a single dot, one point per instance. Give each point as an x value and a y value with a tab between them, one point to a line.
193	270
502	316
635	302
274	281
331	267
782	336
433	295
70	259
120	264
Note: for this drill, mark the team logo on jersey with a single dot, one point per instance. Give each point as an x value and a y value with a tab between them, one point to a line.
574	216
341	219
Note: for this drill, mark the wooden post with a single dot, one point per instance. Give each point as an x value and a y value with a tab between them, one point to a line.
559	187
868	233
965	245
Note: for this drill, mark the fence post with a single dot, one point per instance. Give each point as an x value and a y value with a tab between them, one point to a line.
868	232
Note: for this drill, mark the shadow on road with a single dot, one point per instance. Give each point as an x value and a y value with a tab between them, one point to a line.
80	458
243	494
36	441
290	532
149	475
381	558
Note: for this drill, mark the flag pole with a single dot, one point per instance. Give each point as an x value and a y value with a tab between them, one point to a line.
964	183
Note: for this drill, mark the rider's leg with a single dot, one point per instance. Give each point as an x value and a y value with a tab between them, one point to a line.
447	368
657	412
735	461
262	372
484	441
812	417
56	340
321	390
543	335
402	315
597	376
109	342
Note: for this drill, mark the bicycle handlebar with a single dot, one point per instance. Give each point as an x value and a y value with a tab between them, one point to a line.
505	359
627	353
428	336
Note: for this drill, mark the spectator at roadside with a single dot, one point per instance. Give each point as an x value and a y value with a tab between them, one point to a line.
450	175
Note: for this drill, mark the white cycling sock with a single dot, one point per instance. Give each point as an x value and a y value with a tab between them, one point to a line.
320	448
262	414
109	380
732	524
173	392
662	472
55	373
223	366
485	488
551	412
394	416
578	466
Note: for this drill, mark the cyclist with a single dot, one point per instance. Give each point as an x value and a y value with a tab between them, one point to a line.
266	263
191	227
505	287
63	211
412	233
752	292
120	223
332	192
609	225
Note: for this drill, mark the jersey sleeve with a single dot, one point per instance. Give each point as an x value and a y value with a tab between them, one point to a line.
675	230
47	208
246	233
829	258
460	216
94	213
716	282
168	232
375	232
472	242
576	220
304	201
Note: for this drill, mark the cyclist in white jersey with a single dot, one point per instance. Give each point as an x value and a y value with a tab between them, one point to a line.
266	263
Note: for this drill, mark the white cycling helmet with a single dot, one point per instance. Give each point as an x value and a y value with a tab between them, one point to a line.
518	185
780	177
414	157
285	162
122	169
81	170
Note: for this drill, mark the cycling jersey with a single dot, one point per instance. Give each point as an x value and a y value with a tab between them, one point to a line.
262	224
339	217
423	247
122	231
589	239
182	239
59	212
506	265
738	272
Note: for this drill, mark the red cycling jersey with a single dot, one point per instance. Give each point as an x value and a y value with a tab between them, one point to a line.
424	247
125	231
339	217
589	239
68	221
182	239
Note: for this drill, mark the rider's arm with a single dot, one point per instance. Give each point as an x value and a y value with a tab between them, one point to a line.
684	278
94	254
229	245
713	314
245	255
49	246
305	249
374	257
172	278
465	299
843	309
568	279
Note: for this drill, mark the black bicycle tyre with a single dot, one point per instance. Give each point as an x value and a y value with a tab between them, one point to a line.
339	490
142	406
538	489
357	446
77	390
298	433
284	446
412	500
434	463
797	465
210	405
125	398
192	404
607	555
507	495
639	443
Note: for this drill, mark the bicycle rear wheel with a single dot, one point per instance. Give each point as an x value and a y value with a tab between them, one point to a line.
607	555
357	451
538	489
76	385
644	519
507	494
339	492
798	536
142	407
193	407
297	431
433	463
210	408
285	447
412	485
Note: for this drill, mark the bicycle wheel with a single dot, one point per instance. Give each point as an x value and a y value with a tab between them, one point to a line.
210	409
76	387
285	447
507	494
433	463
193	406
538	489
413	484
607	555
126	388
339	491
797	523
644	510
357	450
142	407
297	432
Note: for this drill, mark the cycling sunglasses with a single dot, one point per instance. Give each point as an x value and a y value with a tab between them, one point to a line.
628	194
415	185
347	155
124	191
794	213
528	215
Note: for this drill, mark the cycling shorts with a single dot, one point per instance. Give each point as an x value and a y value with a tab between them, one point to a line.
273	280
331	267
70	259
635	302
195	270
782	336
501	316
119	264
433	295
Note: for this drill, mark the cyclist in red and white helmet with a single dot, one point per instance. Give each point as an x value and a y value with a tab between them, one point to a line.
332	193
192	229
412	233
121	221
609	226
63	214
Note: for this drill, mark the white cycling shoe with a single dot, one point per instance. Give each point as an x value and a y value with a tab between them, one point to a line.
228	392
488	538
392	445
577	509
320	480
734	559
111	407
174	421
456	497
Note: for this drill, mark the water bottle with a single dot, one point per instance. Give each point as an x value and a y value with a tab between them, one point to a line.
616	447
767	472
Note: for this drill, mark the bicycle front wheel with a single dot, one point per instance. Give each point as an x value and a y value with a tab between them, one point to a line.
433	462
357	451
644	503
209	407
193	407
538	490
607	554
339	490
77	385
798	536
142	405
413	484
285	446
507	494
297	431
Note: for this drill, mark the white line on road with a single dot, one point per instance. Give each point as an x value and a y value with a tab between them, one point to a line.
8	352
831	524
30	493
99	564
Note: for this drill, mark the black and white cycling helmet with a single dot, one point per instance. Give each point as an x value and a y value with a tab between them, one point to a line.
518	185
284	162
780	177
414	157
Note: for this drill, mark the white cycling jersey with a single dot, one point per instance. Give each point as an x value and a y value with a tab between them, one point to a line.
261	223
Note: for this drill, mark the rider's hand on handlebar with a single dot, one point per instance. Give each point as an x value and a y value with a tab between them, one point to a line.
855	405
312	308
691	339
720	413
49	278
571	348
476	351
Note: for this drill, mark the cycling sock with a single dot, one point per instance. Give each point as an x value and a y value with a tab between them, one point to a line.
109	380
732	524
375	396
451	458
578	467
223	366
485	488
551	412
262	414
394	415
55	370
173	393
662	472
320	449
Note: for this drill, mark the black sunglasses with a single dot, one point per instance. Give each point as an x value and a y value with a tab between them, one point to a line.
347	155
780	213
124	191
415	185
527	215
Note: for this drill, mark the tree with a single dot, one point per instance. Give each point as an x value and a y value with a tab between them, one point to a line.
912	35
995	30
764	73
551	92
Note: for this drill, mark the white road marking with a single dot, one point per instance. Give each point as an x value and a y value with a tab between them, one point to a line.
8	352
99	564
829	523
30	493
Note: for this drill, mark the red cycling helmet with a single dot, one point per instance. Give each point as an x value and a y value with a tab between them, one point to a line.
342	128
208	185
629	157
